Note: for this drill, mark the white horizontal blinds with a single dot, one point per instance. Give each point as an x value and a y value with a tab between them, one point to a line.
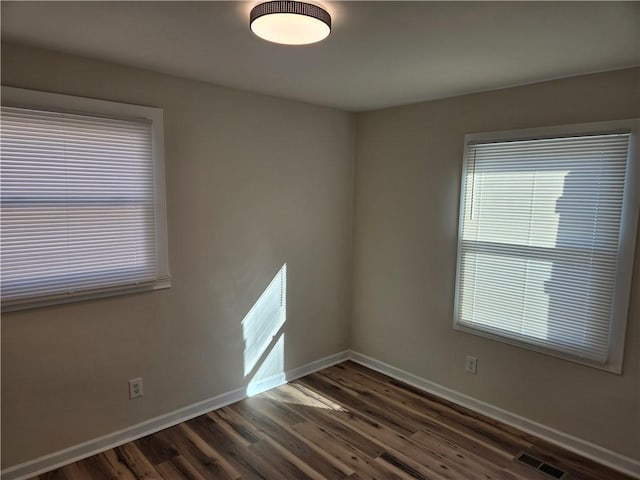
77	203
539	246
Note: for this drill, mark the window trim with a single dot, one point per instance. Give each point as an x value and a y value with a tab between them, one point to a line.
626	241
39	100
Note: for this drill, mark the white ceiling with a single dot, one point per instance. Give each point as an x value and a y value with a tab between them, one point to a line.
379	53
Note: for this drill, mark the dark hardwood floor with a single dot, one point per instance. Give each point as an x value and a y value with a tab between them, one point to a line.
344	422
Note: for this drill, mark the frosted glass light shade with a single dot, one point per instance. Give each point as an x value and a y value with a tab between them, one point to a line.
290	22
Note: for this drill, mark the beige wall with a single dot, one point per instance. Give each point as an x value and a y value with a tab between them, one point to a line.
408	164
252	182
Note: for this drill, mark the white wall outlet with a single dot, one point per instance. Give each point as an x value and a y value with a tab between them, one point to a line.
135	388
471	364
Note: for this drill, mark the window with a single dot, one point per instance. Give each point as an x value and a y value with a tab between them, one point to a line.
546	236
82	197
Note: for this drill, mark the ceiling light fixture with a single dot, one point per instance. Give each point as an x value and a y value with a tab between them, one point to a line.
290	23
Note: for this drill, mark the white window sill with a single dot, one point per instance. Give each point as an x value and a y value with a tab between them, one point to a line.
38	302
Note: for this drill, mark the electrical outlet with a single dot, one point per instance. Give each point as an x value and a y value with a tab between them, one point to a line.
135	388
471	364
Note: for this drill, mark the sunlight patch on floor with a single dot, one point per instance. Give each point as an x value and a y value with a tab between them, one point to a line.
300	395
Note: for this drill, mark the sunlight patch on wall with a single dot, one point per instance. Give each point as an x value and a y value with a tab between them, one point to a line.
270	371
262	331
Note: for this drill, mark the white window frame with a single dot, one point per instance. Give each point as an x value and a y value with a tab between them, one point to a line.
626	246
38	100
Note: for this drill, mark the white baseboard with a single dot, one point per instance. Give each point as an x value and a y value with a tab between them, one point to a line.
48	462
587	449
86	449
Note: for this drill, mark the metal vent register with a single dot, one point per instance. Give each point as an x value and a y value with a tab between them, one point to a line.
533	462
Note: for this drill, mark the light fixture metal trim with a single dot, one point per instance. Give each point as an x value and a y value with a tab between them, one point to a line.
293	11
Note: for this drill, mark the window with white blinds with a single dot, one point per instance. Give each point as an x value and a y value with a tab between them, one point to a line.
79	200
546	226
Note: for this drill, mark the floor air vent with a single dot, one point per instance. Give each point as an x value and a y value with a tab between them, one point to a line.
539	465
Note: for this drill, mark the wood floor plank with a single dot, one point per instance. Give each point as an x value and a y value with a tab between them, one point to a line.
432	420
236	421
386	434
511	441
334	436
251	457
500	439
111	463
344	422
477	450
178	468
366	411
261	412
283	465
381	397
475	445
391	461
433	403
346	453
168	470
328	419
57	474
288	419
205	460
466	461
129	455
156	449
236	453
78	471
231	431
583	468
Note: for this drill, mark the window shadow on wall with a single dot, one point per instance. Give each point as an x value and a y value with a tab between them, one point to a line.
585	221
